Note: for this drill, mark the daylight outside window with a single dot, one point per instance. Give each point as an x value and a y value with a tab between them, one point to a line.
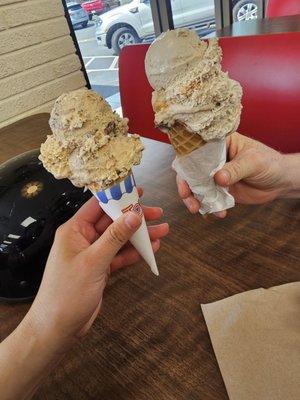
194	14
104	27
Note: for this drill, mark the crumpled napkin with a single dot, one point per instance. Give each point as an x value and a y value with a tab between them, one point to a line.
198	169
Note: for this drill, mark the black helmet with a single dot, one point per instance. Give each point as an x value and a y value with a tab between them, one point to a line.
32	205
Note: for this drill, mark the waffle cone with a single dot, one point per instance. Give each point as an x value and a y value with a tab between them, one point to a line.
183	141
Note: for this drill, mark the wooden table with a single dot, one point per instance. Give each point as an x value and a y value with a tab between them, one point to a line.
151	341
262	26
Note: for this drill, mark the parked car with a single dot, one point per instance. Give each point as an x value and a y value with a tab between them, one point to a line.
245	10
98	7
93	7
133	22
79	17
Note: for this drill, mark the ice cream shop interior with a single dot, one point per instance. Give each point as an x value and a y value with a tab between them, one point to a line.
150	199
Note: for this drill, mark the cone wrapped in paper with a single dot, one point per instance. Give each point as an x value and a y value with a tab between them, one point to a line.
197	162
123	197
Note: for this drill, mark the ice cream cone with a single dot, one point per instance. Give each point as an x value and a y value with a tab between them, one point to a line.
183	141
123	197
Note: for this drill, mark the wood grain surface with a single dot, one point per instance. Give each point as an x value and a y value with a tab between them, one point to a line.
150	341
24	135
262	26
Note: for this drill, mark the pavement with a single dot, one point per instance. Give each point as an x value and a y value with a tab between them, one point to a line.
101	65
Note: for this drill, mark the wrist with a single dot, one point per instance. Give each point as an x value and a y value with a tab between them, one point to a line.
43	337
291	173
27	356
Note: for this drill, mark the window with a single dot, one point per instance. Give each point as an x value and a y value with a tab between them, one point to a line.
104	27
109	26
194	14
246	10
74	7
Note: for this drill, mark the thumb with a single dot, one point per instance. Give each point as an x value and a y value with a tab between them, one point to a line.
115	236
235	171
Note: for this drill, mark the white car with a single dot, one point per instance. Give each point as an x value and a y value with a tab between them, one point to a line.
132	23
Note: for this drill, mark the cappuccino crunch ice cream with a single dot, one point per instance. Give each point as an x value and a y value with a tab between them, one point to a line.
197	105
90	144
190	89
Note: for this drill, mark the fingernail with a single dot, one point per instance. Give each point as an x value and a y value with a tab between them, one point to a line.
132	220
226	176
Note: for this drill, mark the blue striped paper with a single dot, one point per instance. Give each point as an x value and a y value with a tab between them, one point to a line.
117	191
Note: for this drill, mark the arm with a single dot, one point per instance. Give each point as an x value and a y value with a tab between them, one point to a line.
26	358
86	249
291	166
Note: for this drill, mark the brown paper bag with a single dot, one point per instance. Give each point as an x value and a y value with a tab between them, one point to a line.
256	339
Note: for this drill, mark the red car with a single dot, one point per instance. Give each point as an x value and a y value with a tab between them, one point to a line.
98	6
93	6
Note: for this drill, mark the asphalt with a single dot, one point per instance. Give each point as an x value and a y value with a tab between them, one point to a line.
101	65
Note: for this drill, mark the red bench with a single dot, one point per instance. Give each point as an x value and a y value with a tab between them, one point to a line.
268	68
279	8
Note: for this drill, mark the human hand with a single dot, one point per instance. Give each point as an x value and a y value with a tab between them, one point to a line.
255	174
85	250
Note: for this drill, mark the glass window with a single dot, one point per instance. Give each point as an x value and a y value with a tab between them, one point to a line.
194	14
74	7
246	10
103	27
111	25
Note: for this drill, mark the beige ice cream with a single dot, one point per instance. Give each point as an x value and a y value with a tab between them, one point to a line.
90	144
190	89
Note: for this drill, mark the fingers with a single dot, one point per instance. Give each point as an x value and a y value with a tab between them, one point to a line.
192	204
236	170
103	223
150	213
155	232
158	231
90	211
129	256
183	188
115	236
221	214
185	193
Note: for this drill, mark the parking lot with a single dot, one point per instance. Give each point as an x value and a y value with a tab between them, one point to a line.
100	63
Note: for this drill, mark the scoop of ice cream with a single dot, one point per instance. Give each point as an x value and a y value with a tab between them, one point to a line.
192	90
103	166
170	54
55	157
90	144
82	113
